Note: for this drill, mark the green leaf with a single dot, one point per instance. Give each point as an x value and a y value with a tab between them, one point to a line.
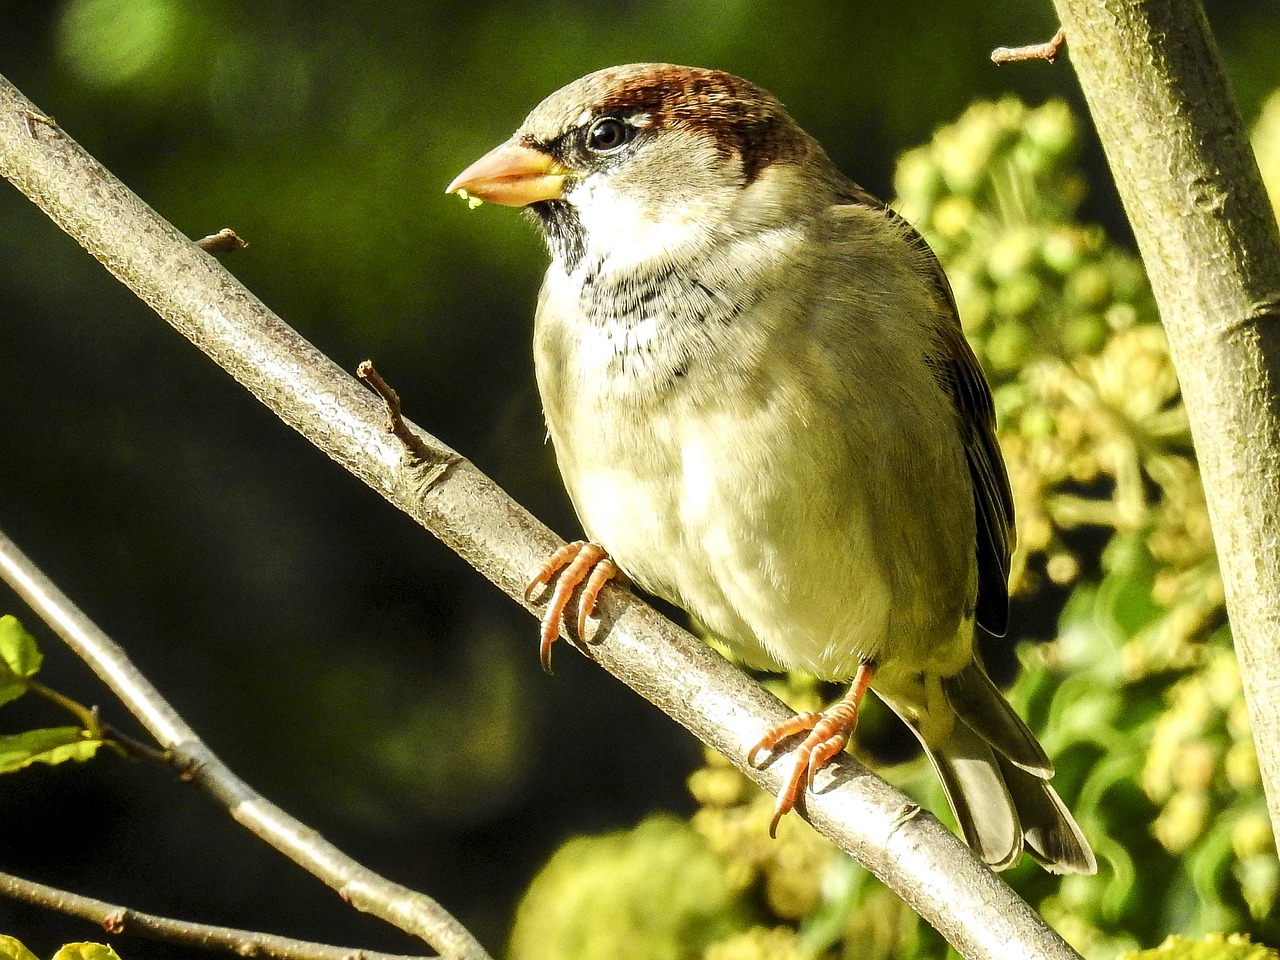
86	951
18	651
11	687
11	949
49	745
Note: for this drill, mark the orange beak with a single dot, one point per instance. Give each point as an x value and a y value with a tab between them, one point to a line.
513	175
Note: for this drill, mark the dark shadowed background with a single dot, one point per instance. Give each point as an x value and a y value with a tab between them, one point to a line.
341	660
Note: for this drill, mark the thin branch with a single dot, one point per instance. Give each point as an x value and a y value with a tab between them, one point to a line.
409	910
1200	213
1048	50
87	716
129	747
117	920
914	854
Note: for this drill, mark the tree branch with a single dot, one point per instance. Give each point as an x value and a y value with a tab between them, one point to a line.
1192	190
909	850
115	919
407	909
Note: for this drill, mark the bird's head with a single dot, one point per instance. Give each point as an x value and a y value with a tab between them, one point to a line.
649	161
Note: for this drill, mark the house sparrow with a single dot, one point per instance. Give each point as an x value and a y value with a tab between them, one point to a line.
765	411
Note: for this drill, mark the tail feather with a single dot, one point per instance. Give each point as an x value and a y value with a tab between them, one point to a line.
996	777
1053	837
985	710
971	777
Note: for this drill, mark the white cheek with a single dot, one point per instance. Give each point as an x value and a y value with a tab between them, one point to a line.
625	232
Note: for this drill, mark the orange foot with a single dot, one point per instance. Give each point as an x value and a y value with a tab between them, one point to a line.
582	561
829	732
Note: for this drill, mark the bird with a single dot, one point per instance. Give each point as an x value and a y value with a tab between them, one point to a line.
765	411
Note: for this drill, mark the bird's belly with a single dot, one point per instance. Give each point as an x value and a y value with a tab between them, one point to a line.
767	544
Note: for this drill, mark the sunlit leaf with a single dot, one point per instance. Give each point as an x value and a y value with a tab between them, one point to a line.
11	949
48	745
11	687
18	651
86	951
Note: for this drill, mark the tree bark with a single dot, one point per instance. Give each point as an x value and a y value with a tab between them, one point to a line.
910	850
1174	138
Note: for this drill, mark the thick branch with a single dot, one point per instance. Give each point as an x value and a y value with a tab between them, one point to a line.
407	909
910	850
1191	187
115	919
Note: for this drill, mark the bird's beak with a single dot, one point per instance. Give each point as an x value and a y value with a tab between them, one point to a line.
513	175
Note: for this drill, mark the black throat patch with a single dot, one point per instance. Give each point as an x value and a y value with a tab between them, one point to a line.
565	236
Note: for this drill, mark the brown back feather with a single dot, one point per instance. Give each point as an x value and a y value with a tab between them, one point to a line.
958	373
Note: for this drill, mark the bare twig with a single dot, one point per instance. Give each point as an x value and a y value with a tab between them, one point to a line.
919	858
409	910
1032	51
117	920
414	445
131	748
1151	75
221	243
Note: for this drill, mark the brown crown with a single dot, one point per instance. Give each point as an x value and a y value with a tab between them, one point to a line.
739	117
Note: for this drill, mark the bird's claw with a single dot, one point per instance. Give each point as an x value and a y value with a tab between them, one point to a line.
582	562
828	733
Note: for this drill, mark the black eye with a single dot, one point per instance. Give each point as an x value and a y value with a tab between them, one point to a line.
608	134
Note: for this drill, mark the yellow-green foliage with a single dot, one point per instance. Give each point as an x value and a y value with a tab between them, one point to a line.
86	951
12	949
760	943
20	660
1266	144
1138	698
1217	947
657	892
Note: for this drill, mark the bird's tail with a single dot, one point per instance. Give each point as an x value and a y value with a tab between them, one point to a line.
996	776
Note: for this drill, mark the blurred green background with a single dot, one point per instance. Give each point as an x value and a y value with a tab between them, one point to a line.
361	675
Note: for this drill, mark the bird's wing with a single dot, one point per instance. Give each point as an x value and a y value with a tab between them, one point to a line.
959	374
